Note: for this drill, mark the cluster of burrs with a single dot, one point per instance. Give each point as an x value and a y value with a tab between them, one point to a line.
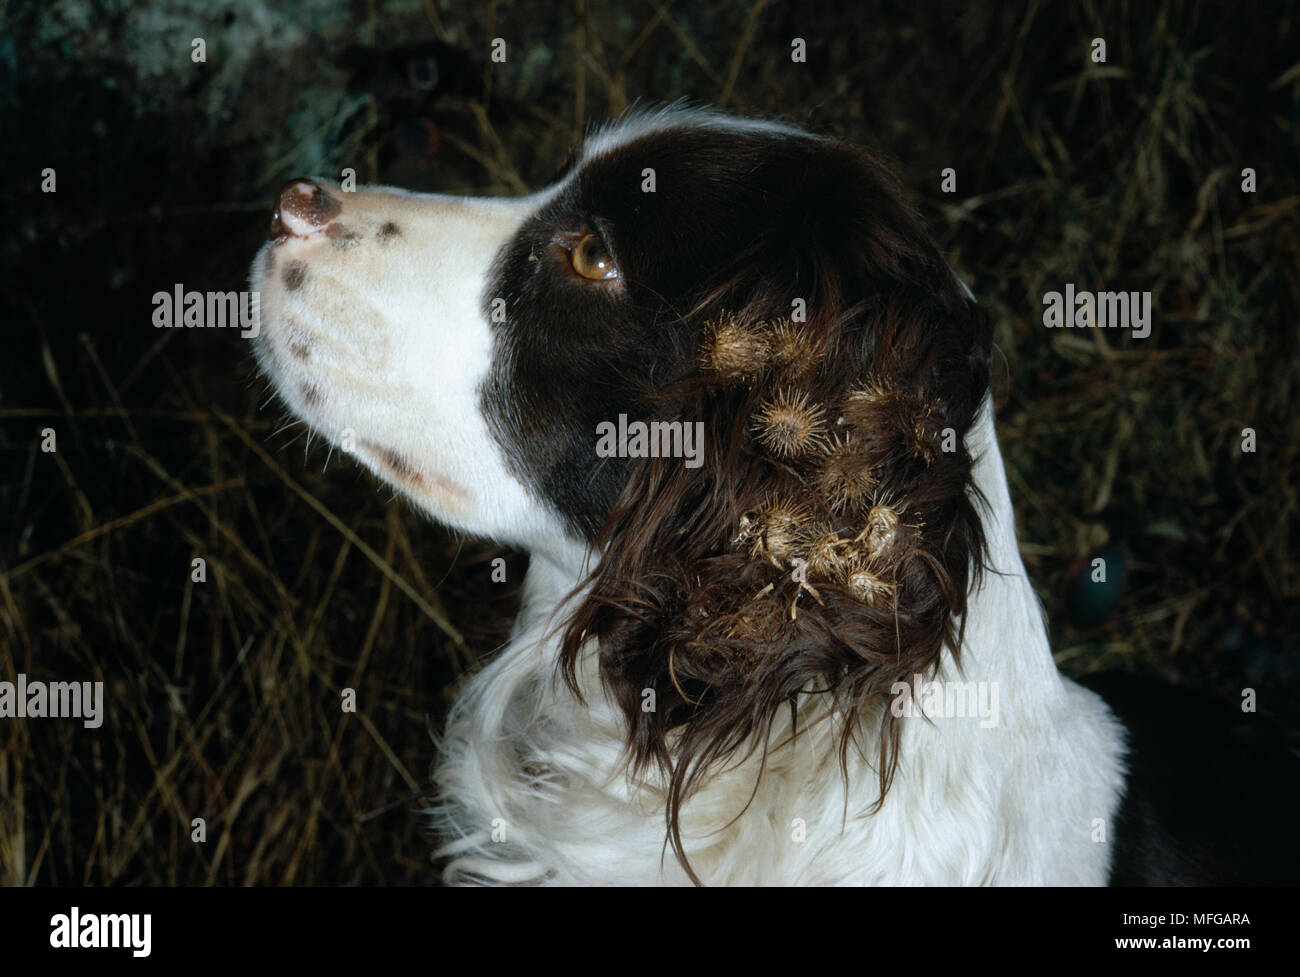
738	353
788	534
834	451
791	427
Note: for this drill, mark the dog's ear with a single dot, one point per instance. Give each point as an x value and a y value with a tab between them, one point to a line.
826	543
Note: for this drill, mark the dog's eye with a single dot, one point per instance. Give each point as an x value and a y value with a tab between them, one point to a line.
591	260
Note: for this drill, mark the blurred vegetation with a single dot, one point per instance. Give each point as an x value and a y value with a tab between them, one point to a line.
223	697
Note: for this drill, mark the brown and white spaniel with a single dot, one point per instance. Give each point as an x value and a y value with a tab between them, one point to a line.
722	386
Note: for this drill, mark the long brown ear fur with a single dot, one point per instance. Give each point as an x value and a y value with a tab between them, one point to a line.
827	543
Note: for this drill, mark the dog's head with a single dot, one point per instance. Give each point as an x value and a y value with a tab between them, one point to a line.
750	282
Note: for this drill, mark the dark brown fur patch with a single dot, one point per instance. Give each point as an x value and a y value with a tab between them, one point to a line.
388	231
295	273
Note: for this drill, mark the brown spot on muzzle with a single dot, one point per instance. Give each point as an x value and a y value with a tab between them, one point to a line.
295	273
341	236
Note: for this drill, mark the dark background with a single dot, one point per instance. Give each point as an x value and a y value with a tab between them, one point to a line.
223	697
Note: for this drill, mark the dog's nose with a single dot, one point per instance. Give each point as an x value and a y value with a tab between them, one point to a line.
302	207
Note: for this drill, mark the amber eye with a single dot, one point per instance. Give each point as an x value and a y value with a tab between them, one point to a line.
591	260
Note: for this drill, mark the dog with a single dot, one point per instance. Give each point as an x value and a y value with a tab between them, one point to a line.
723	388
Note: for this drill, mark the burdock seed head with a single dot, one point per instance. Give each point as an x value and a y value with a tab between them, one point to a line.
830	557
881	532
877	405
870	589
789	426
782	526
734	351
796	352
843	477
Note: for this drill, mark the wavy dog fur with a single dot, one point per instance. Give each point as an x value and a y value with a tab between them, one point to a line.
696	592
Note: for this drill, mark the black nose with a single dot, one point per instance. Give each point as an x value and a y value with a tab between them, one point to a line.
301	207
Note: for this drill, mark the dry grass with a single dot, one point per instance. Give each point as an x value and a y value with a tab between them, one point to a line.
223	697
